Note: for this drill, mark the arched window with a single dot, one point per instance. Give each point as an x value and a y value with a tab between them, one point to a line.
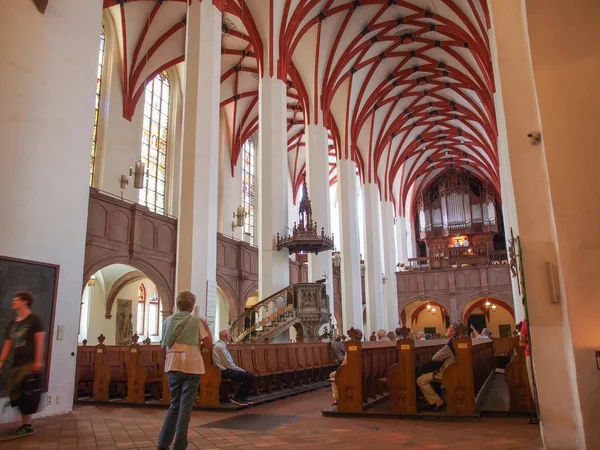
153	314
248	201
141	310
154	142
97	104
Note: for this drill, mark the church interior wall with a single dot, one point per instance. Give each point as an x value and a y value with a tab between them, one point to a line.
50	85
515	84
570	121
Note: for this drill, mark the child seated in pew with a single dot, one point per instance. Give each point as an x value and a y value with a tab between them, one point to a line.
444	357
334	390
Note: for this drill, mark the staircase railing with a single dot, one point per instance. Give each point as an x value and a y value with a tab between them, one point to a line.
263	314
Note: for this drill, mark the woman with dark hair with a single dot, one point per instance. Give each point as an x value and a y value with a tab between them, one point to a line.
183	334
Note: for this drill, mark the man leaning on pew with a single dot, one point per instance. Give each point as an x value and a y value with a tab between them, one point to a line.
444	358
224	362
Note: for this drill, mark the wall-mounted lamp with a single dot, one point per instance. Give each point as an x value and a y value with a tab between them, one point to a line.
598	359
238	218
138	176
92	281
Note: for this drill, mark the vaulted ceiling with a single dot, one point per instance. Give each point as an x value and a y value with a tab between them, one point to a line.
405	87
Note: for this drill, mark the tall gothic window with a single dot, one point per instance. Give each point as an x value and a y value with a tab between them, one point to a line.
248	200
97	105
154	142
141	310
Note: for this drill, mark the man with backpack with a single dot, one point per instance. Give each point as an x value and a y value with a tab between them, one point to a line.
25	338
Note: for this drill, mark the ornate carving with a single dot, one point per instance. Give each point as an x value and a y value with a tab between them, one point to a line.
513	259
147	341
355	334
402	333
85	341
101	339
135	338
305	235
462	331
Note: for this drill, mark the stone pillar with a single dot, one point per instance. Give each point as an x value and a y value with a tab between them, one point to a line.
317	162
547	83
272	183
373	258
48	75
401	240
389	260
349	245
197	250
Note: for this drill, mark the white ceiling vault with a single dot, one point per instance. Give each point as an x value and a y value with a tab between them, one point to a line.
405	87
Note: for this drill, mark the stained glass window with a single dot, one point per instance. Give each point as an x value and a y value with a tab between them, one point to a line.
141	310
153	312
154	142
248	199
97	104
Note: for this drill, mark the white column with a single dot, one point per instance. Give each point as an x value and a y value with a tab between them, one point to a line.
349	245
272	183
48	78
373	259
401	240
197	251
230	185
411	239
389	261
317	162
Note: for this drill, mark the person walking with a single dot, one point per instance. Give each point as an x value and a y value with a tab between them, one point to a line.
25	338
183	334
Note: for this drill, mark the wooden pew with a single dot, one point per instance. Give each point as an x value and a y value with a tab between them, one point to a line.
144	371
101	372
136	374
402	377
84	373
357	380
517	380
210	382
464	380
502	346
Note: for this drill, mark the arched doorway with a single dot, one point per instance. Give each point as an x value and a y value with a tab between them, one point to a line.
491	313
428	316
119	301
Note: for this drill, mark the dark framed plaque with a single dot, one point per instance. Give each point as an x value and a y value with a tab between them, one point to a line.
41	279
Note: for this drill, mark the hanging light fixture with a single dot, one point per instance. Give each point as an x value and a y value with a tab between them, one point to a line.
487	302
494	308
428	307
433	310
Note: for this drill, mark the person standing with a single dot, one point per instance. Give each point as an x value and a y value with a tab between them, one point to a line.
229	370
25	337
183	334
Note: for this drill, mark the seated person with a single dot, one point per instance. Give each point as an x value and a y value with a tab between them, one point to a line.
421	336
339	351
445	357
224	362
485	333
334	389
372	337
382	336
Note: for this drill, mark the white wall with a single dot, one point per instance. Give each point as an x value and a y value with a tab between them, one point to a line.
47	90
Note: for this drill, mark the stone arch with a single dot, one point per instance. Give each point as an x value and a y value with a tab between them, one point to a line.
228	294
443	301
479	301
410	321
126	279
164	287
250	289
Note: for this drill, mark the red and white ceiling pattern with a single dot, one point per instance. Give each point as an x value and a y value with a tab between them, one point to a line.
405	87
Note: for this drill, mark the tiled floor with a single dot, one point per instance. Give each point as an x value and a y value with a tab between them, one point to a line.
90	427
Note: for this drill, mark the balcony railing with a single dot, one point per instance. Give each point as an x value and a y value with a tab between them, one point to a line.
458	257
